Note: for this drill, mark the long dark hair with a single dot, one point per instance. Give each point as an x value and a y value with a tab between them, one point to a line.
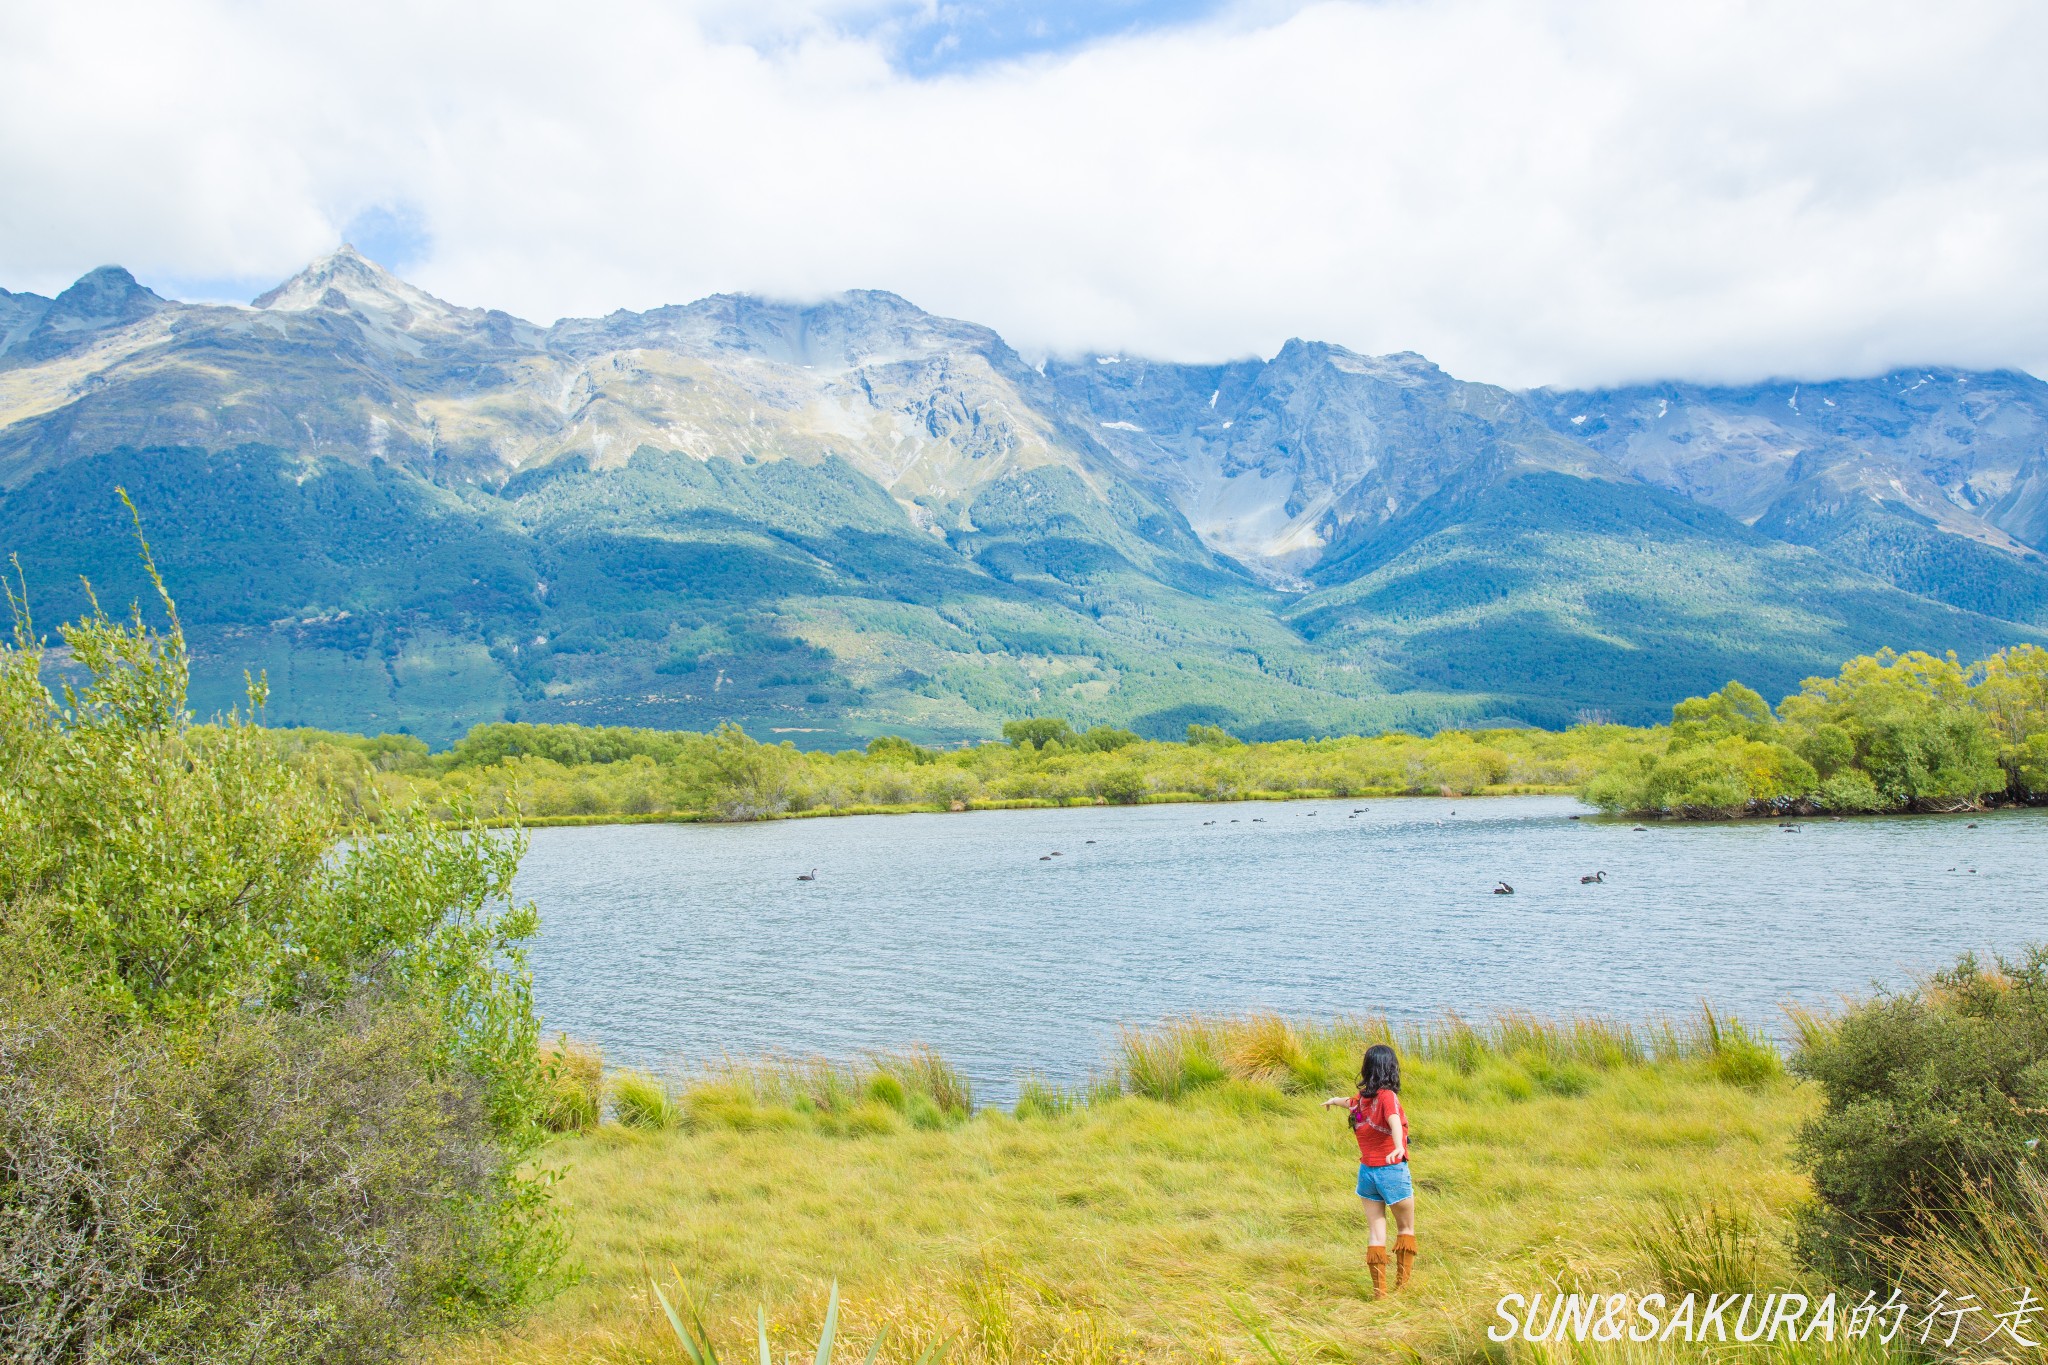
1381	1070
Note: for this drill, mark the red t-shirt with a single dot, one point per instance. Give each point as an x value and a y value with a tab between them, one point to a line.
1373	1121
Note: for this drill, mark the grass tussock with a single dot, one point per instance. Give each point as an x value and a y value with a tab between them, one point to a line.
1865	1350
882	1093
573	1095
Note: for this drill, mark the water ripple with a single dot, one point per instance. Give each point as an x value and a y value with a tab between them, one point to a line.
667	943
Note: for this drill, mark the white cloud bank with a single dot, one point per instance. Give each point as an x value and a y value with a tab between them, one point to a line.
1527	191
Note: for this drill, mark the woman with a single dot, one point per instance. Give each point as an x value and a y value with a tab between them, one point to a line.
1382	1130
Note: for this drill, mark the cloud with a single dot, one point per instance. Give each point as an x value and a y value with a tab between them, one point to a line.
1527	191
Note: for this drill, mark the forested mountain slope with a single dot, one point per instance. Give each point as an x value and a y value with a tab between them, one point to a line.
835	519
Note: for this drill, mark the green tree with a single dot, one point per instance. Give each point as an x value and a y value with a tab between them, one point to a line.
1916	729
1107	739
1039	731
1734	710
893	749
1212	736
2012	691
730	776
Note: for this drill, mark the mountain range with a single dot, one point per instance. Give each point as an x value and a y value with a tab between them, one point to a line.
834	519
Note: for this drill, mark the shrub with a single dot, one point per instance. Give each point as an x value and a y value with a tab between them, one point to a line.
1122	786
267	1186
1851	793
299	1073
1920	1090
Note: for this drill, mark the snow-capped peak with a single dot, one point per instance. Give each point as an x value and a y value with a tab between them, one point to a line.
344	279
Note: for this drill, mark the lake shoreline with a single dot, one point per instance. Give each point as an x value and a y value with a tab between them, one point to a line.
1026	942
1016	803
1756	815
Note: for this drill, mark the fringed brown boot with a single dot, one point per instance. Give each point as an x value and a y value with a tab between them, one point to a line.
1404	1259
1376	1262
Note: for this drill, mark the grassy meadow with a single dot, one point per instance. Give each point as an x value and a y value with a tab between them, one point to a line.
1193	1193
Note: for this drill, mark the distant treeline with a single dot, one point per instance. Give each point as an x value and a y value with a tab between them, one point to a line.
566	773
1889	733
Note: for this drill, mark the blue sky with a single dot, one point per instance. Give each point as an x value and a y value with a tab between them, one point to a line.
959	35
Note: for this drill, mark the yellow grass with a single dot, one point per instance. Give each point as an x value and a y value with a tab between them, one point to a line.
1147	1229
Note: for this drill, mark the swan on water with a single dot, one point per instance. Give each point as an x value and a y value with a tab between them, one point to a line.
1597	877
810	876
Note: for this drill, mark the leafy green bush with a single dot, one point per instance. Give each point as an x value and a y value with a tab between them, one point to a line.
300	1073
1122	786
1849	793
1921	1089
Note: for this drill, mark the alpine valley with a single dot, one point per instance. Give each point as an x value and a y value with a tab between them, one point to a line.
831	520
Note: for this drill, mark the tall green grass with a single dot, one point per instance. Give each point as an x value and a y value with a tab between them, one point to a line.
1513	1056
1696	1246
1100	1222
572	1099
881	1093
1986	1238
1517	1052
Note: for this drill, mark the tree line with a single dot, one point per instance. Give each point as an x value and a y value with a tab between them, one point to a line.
1888	732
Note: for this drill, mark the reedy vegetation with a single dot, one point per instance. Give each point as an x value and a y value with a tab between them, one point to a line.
1888	733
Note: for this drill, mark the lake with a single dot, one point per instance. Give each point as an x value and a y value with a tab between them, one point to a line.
667	944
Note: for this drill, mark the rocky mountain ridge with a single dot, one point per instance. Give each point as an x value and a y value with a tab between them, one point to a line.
1312	523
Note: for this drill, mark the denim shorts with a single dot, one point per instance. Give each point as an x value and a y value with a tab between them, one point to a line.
1388	1184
